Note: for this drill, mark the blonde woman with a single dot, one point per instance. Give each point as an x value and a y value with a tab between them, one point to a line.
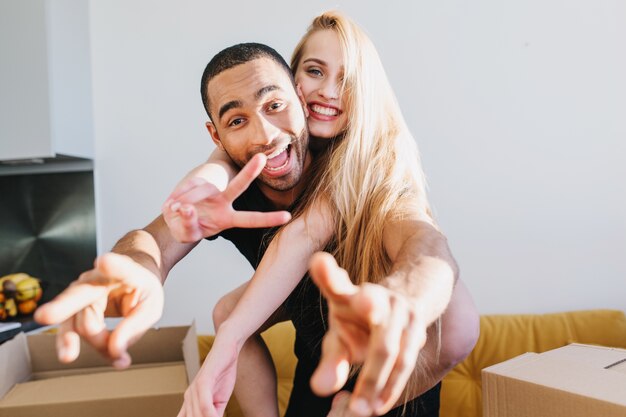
368	183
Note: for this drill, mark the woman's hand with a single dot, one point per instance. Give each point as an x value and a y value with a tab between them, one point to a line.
209	392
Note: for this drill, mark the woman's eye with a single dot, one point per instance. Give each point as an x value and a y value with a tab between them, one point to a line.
315	71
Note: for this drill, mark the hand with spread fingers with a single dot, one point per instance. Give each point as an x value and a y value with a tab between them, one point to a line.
198	209
371	326
117	286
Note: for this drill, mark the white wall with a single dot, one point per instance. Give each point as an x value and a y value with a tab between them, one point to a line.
518	110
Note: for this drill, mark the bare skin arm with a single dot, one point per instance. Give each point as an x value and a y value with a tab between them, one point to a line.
124	283
274	279
128	281
383	326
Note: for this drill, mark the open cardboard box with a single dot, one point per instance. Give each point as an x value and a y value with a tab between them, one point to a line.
572	381
35	384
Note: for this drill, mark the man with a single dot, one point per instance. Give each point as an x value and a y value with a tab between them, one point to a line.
128	282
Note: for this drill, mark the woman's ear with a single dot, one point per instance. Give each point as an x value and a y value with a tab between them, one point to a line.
302	101
214	135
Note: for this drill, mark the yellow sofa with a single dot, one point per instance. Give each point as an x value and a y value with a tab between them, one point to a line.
502	337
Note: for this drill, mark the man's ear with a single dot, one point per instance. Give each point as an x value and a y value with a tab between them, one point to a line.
214	135
302	100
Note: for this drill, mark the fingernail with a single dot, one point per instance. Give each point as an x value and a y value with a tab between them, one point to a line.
175	206
361	407
122	362
186	210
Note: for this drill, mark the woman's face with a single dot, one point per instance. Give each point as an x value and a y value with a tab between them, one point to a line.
319	75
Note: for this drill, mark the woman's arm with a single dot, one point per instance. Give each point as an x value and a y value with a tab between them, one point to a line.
284	264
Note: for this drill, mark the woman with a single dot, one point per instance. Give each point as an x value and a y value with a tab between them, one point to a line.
368	173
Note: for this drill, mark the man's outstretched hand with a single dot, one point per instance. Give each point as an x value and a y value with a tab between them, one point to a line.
117	286
197	209
368	325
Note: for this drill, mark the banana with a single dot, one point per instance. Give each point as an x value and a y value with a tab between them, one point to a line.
28	289
11	307
16	278
19	289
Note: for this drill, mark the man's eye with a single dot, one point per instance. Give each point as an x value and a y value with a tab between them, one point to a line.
236	122
275	106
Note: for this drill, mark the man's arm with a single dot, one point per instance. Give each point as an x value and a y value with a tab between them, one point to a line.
154	247
423	267
383	326
128	281
125	283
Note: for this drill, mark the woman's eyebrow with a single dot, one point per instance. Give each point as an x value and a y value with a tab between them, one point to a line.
316	60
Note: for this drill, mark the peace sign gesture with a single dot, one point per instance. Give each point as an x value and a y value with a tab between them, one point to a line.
198	209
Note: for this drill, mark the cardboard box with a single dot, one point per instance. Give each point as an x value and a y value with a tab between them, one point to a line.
572	381
35	384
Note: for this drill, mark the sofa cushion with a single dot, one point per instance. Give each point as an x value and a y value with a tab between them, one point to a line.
503	337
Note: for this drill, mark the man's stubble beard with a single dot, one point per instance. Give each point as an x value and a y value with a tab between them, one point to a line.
299	148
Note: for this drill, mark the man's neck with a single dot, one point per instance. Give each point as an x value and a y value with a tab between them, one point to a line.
282	200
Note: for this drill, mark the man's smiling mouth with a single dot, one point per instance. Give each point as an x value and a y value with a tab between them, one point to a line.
279	159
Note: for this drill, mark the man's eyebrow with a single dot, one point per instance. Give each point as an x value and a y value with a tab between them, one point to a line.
263	91
230	105
237	103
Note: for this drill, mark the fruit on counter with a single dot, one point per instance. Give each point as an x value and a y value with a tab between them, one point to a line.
28	289
10	307
27	307
20	293
9	289
3	312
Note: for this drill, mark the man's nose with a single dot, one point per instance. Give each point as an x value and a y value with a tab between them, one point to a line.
264	133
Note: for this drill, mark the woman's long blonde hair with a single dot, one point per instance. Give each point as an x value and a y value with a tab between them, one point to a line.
373	172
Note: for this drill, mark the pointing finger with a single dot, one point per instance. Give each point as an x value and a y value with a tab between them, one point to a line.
333	281
334	366
71	301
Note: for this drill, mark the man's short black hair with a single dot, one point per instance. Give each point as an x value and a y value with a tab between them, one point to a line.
237	55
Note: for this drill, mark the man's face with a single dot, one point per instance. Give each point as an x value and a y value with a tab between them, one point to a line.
255	108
